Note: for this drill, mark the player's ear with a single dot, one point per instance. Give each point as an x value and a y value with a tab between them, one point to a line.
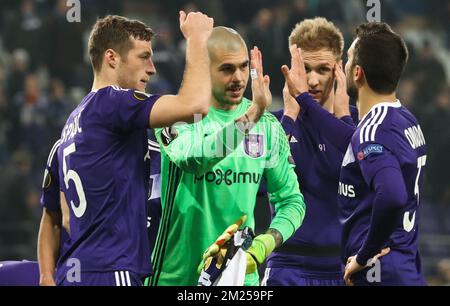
358	75
111	58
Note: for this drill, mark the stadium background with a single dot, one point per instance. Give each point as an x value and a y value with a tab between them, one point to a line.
45	71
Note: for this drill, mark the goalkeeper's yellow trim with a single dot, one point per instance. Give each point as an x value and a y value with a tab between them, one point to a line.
261	247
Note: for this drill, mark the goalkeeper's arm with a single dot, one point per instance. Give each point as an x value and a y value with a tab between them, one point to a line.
284	191
285	195
193	151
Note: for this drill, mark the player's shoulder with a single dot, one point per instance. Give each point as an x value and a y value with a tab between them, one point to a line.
53	156
269	117
107	96
395	118
379	122
52	167
278	114
114	91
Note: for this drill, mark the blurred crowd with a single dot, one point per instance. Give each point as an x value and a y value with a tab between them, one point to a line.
45	72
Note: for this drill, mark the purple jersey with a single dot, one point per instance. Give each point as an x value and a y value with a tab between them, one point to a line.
388	140
104	176
50	196
50	184
314	249
154	195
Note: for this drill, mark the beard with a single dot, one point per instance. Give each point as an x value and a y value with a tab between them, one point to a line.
352	90
222	99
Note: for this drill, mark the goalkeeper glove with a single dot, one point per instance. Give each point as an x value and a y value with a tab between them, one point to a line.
217	248
261	247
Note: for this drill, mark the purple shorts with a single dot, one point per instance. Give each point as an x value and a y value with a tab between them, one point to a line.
296	277
19	273
116	278
395	269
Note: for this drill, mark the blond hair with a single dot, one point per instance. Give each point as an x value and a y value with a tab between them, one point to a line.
317	34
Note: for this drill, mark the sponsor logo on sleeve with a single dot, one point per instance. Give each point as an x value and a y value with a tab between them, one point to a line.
141	96
47	180
373	149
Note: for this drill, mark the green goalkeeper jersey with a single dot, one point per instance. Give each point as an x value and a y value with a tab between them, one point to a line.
210	176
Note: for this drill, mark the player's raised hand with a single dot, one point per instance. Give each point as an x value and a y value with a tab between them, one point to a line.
260	82
341	98
196	25
291	106
295	77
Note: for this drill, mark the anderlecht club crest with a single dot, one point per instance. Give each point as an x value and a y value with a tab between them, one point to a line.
254	145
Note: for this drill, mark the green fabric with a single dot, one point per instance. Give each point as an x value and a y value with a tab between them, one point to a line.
261	247
208	183
251	279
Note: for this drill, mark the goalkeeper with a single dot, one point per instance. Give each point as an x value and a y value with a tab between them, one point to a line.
211	170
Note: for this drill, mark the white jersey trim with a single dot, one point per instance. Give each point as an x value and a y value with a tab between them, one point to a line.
127	274
376	125
153	146
372	114
122	278
116	274
377	115
52	152
266	277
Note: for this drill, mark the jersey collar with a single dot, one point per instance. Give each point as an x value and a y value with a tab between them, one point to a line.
396	104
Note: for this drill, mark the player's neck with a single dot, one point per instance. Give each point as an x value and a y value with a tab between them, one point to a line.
329	105
223	106
102	81
368	99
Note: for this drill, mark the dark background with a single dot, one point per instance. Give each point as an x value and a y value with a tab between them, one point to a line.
45	71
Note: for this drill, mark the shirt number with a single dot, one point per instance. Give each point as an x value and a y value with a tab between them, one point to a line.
408	223
71	175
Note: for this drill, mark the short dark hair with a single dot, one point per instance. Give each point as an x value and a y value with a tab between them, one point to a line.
114	32
382	54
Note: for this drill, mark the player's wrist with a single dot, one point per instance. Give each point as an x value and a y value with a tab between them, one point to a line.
361	259
250	118
46	279
341	113
197	40
262	246
254	112
292	114
295	92
299	90
303	91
